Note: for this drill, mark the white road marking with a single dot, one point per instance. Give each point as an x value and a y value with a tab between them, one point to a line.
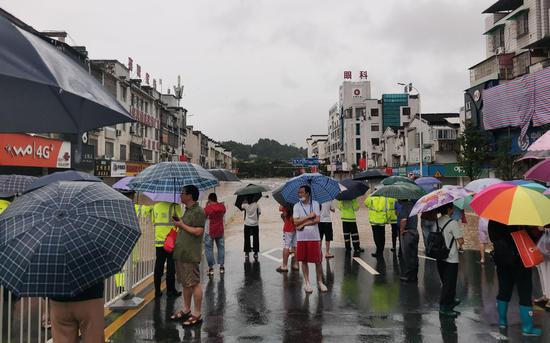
498	336
365	265
427	258
267	254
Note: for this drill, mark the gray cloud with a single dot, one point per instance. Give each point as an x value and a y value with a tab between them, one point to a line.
263	68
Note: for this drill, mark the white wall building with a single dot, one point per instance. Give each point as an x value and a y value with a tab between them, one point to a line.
317	146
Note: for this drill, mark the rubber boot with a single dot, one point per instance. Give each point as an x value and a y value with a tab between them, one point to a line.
527	328
502	309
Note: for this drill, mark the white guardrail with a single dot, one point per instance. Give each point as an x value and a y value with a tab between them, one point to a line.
25	320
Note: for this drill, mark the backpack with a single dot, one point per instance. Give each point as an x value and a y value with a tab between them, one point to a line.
435	246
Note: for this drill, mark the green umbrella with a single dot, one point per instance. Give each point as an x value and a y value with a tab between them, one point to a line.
394	179
401	190
464	203
251	189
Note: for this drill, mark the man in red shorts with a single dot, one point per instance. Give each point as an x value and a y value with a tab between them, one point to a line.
306	217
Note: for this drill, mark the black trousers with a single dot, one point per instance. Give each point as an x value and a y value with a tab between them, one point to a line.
394	235
448	273
409	241
162	258
518	275
253	231
379	235
351	234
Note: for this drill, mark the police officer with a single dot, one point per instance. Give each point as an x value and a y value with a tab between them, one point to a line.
378	217
162	214
5	201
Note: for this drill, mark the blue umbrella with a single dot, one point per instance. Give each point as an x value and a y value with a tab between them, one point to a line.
65	237
354	189
68	175
323	188
428	183
171	177
11	185
65	97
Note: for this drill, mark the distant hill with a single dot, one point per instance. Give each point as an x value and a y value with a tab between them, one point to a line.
265	148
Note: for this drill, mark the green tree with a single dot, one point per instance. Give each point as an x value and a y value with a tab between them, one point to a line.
503	160
473	149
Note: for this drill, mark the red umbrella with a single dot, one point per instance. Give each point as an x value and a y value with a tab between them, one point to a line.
539	172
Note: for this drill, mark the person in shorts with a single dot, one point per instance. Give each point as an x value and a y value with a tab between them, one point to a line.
306	214
188	254
325	226
483	237
289	238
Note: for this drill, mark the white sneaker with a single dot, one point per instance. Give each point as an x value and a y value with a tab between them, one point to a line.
322	287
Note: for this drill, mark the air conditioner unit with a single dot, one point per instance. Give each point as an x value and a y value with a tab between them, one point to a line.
118	133
500	50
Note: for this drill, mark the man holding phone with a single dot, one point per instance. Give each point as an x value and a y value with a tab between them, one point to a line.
188	254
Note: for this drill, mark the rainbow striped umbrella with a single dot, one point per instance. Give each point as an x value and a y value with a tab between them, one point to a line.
511	204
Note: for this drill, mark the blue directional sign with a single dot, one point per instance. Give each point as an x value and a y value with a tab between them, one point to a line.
305	162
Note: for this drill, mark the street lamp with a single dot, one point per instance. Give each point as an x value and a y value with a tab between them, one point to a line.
409	87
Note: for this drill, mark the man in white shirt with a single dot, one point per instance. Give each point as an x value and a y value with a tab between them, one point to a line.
251	227
448	268
325	226
306	217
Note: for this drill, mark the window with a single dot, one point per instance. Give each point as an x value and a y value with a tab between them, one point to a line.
358	129
375	128
406	111
446	134
123	152
157	134
498	38
523	24
357	158
359	113
132	100
374	112
357	143
375	141
405	123
94	143
109	150
146	107
148	154
124	93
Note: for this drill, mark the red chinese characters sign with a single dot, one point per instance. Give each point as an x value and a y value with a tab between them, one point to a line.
348	75
144	118
33	151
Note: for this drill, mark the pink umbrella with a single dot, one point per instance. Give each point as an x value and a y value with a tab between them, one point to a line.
543	143
539	172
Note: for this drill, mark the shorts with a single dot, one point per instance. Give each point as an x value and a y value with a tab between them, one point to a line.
325	229
289	239
188	273
308	251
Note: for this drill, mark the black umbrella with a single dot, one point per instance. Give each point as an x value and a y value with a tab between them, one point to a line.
241	198
68	175
354	189
43	90
370	175
224	175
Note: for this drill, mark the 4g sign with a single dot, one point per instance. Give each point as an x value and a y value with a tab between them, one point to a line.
34	151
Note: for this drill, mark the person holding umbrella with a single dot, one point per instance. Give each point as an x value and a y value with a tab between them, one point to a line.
252	214
188	254
325	226
307	214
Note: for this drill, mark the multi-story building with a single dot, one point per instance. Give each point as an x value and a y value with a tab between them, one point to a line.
317	146
507	88
202	150
173	121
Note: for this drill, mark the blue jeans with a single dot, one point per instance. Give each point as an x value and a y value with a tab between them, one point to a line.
209	249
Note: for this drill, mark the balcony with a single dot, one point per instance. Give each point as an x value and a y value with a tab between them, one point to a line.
447	146
498	67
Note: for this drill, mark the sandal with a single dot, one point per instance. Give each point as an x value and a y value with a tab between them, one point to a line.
222	269
329	256
180	315
210	271
295	268
192	320
282	270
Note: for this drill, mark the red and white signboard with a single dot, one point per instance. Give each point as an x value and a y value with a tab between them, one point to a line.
24	150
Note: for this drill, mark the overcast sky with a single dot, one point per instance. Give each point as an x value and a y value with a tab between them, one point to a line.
272	68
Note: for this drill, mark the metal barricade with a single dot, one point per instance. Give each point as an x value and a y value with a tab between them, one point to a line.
27	319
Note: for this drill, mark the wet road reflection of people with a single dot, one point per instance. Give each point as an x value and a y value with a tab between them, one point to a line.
251	297
214	305
409	300
350	287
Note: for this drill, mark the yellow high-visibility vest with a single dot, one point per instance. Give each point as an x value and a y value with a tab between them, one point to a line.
378	210
162	219
347	209
3	205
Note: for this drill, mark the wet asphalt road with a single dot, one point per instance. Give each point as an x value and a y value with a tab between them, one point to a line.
366	302
252	302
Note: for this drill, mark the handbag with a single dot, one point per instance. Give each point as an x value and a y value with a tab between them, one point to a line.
170	241
528	251
544	243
